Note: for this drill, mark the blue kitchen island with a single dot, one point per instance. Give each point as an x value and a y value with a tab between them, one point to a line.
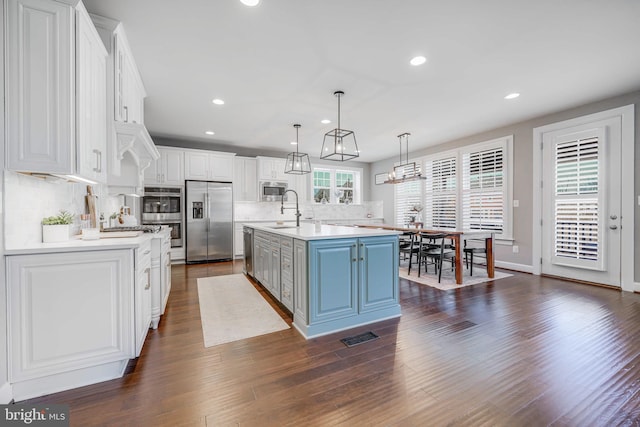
332	278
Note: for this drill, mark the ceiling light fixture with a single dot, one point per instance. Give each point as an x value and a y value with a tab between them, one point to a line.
418	60
325	121
218	101
210	132
339	144
407	171
512	96
250	3
297	163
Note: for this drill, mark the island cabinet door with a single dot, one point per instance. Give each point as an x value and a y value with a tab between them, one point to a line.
333	275
378	262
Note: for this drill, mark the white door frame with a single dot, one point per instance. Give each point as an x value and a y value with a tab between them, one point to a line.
626	115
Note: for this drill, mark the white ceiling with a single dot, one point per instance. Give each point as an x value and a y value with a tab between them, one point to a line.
279	63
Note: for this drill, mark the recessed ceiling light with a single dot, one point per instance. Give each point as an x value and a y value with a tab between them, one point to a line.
210	132
325	121
512	95
250	3
218	101
294	143
418	60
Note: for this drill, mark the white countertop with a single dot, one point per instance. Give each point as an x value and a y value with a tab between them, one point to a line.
308	231
76	244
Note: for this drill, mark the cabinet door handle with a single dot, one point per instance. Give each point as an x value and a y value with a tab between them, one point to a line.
126	114
355	259
148	251
361	258
97	153
148	271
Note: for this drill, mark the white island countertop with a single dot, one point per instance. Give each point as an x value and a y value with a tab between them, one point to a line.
76	244
308	231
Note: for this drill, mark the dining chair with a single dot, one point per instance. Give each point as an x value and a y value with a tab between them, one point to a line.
409	245
434	246
470	250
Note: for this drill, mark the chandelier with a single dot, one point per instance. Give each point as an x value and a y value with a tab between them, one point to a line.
339	144
405	171
297	163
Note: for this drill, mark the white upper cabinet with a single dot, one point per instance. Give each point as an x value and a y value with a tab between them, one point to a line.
91	86
55	90
208	165
168	169
244	179
271	169
129	91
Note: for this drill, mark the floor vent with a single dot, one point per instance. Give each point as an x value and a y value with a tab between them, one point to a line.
359	339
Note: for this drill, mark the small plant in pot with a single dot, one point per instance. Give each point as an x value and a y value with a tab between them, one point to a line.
56	228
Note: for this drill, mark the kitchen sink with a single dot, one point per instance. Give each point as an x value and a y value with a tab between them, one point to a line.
281	226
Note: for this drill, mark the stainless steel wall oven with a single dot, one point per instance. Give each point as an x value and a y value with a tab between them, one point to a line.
164	206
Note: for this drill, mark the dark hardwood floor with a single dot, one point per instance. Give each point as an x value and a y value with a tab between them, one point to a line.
523	351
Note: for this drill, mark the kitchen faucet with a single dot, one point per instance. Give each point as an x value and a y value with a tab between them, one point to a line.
282	208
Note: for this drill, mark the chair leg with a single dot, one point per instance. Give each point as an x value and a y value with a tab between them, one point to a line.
440	271
471	269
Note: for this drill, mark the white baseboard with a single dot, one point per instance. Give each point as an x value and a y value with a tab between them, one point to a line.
636	286
514	266
6	394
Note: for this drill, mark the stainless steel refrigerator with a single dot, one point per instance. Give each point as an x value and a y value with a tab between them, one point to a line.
209	214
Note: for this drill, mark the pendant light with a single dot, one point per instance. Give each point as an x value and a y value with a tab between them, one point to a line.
297	163
339	144
404	171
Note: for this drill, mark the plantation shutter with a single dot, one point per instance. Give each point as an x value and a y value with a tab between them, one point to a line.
441	193
577	202
483	189
407	195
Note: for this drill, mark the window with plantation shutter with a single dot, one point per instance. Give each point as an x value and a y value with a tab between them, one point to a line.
408	196
485	197
441	192
466	189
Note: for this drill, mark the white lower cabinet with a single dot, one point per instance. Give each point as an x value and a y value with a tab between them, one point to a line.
70	319
142	294
160	275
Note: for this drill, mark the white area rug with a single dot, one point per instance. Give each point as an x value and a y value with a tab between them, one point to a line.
449	278
232	309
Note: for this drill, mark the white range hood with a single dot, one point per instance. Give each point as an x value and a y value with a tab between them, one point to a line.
133	153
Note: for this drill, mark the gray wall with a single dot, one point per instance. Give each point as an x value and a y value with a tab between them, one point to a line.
253	152
522	173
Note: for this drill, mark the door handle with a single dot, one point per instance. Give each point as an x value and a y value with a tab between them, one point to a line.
613	216
613	227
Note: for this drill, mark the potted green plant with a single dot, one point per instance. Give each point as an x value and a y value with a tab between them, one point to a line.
56	228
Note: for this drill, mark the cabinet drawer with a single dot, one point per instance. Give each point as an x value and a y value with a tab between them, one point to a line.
286	262
286	243
286	294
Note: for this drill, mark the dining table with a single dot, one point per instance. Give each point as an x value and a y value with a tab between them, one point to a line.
457	236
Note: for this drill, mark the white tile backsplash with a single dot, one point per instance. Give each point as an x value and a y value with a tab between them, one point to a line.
270	211
29	199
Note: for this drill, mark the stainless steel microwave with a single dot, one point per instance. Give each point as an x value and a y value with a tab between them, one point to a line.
273	191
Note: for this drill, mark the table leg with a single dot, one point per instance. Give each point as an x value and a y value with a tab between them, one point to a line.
490	261
456	241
